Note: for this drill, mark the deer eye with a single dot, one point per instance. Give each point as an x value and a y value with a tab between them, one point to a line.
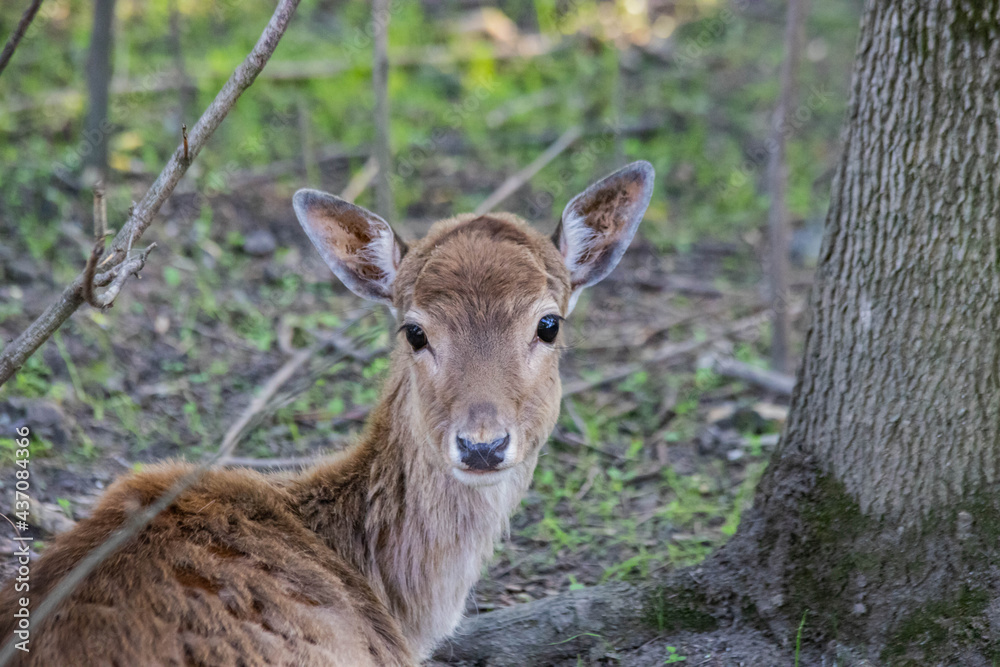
548	328
415	336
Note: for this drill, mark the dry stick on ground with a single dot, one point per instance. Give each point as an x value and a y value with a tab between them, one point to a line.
667	352
15	354
258	406
777	176
512	184
18	34
778	383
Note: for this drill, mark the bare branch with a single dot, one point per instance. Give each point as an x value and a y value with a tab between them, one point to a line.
87	289
117	277
512	184
18	34
256	409
15	354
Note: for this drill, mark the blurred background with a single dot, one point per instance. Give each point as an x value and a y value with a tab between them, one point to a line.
672	406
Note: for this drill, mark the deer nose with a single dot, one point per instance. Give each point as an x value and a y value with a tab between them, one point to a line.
482	455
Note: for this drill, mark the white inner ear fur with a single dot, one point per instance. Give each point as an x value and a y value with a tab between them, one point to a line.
577	237
382	253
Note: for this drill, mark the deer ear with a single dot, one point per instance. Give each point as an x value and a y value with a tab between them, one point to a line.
359	246
599	223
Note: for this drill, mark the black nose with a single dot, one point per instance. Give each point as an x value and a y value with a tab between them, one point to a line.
482	455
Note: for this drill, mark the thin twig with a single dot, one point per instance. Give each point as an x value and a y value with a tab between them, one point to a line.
100	232
18	34
89	270
100	212
118	276
512	184
16	353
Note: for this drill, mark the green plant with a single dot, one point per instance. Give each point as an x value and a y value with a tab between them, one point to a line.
798	636
673	656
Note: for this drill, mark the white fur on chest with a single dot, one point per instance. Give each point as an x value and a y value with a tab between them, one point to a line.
437	556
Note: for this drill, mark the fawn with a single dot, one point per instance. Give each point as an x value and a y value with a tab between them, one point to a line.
367	558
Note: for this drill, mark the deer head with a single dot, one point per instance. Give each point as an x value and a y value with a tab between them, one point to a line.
480	301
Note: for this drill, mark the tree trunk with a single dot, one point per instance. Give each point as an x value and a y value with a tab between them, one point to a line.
97	127
879	516
777	185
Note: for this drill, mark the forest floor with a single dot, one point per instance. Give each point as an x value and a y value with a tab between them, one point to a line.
654	459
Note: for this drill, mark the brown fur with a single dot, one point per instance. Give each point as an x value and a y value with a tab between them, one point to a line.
366	559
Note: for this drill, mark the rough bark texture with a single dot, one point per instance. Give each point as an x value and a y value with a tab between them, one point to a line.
880	512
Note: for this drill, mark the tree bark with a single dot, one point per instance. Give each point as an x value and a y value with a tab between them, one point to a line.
879	516
879	512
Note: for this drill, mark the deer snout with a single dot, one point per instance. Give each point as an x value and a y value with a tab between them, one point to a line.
482	455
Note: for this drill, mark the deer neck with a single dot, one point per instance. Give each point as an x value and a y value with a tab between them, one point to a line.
419	535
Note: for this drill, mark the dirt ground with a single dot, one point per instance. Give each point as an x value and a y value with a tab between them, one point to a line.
654	458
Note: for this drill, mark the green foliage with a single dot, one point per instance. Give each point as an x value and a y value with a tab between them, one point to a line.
711	104
673	656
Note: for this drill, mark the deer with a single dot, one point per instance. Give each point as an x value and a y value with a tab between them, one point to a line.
366	558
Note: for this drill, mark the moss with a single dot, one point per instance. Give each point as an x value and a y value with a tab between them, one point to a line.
826	555
937	625
668	610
